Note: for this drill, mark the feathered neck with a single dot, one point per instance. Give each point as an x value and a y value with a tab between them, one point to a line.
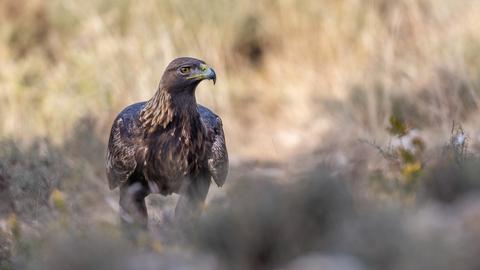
163	109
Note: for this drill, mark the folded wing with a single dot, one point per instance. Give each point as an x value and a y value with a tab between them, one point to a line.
120	159
218	155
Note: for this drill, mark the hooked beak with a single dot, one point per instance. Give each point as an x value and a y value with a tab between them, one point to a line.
211	75
204	73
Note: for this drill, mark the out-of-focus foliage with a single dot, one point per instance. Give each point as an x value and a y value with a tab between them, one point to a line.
32	173
261	224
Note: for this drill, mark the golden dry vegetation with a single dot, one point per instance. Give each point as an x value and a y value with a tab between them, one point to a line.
289	71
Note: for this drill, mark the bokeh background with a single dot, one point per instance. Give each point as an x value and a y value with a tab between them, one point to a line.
352	127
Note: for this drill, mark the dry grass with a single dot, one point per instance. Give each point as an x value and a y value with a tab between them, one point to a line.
281	65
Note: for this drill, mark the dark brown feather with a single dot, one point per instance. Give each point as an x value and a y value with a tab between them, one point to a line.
217	153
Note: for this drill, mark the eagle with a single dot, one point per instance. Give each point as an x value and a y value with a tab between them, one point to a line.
168	144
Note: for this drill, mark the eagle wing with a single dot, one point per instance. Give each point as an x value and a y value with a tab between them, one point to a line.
120	158
217	155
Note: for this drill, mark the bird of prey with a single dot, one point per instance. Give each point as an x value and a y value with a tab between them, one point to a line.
168	144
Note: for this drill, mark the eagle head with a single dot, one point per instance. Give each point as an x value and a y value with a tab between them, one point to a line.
184	74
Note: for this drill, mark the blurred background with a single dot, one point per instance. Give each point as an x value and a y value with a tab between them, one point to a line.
375	101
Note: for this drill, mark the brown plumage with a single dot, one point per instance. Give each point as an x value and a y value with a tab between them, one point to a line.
169	144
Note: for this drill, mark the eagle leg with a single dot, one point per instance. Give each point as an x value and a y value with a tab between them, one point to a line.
192	199
133	211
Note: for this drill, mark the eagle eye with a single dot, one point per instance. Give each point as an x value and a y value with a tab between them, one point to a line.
184	70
